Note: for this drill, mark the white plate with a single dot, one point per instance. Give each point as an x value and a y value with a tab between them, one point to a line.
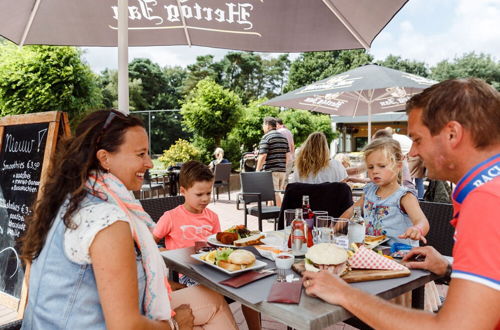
213	240
257	265
373	245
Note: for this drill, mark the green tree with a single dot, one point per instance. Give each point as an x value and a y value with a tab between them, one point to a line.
108	82
314	66
469	65
409	66
46	78
205	67
181	151
211	111
302	123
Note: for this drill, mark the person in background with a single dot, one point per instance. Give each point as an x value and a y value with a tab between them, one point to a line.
344	160
290	155
417	172
389	208
405	143
87	237
454	127
273	148
313	164
219	158
191	222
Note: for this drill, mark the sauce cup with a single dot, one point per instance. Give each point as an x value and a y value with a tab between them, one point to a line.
284	260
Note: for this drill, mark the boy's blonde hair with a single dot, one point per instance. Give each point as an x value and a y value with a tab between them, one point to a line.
391	150
313	156
194	171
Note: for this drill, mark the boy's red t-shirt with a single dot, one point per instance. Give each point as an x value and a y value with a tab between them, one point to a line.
182	228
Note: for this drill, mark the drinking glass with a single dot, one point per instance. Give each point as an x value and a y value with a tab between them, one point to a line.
289	215
340	232
323	232
319	213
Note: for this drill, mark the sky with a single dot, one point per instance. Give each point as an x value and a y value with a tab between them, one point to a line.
424	30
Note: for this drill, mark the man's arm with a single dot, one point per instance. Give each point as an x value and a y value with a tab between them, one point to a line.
469	305
261	159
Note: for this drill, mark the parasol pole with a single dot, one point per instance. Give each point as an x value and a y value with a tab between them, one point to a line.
123	101
369	122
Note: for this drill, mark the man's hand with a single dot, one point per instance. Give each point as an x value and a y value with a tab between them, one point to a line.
184	317
327	286
433	262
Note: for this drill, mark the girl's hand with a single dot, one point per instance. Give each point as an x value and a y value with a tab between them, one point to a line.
414	233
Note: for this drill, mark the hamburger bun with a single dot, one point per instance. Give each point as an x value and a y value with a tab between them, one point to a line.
238	260
250	240
330	255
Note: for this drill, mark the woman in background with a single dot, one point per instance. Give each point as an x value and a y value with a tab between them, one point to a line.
313	163
219	158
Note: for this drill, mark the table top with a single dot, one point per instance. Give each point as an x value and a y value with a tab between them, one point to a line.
311	313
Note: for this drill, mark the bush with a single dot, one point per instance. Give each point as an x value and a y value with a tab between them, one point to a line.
181	151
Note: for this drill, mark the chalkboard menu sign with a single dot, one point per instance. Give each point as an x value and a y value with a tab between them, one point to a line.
27	143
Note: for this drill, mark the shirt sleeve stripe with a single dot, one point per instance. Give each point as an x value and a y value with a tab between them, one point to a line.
477	278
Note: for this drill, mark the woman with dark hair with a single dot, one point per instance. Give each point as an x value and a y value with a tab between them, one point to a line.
95	264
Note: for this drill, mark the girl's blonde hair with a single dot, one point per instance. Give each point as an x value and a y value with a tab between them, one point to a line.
314	155
391	150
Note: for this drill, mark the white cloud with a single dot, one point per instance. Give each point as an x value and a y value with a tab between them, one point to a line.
471	25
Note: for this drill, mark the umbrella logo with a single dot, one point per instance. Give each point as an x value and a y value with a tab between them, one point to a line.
329	101
332	83
146	12
418	79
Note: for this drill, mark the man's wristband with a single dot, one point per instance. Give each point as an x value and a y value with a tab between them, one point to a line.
447	276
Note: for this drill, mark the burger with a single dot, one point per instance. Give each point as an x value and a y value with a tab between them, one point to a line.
231	260
327	256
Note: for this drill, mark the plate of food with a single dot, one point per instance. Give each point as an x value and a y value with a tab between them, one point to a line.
372	241
230	261
235	237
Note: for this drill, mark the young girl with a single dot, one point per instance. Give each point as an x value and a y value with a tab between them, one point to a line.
390	209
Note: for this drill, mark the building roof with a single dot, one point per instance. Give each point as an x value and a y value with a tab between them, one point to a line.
383	117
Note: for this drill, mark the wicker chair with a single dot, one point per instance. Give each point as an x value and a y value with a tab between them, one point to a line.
440	235
155	207
222	175
257	187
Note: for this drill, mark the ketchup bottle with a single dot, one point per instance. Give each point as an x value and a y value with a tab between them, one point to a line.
308	216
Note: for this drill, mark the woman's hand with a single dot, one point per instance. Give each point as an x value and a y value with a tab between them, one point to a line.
184	317
327	286
414	233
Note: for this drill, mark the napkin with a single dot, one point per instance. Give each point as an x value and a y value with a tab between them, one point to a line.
245	278
367	259
285	292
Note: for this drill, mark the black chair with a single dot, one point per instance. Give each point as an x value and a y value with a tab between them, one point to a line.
333	197
151	185
257	187
155	207
14	325
222	174
441	232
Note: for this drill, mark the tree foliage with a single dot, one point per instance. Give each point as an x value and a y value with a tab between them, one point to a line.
302	123
314	66
409	66
469	65
46	78
211	111
179	152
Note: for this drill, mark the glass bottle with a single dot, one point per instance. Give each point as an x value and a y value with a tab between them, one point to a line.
308	217
356	231
298	234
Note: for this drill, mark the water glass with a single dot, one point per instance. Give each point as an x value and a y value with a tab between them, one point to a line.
340	232
318	214
289	215
323	232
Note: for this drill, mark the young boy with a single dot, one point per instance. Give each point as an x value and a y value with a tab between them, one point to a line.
192	221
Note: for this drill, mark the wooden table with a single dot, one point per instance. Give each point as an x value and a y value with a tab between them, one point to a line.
311	313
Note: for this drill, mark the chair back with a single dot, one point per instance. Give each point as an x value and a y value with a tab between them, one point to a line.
257	182
333	197
222	172
441	232
155	207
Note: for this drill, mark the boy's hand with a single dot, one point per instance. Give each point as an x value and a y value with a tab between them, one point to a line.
414	233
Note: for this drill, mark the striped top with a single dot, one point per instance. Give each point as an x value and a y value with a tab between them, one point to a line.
275	145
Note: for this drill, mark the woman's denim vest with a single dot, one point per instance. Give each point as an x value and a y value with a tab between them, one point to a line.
385	217
63	294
